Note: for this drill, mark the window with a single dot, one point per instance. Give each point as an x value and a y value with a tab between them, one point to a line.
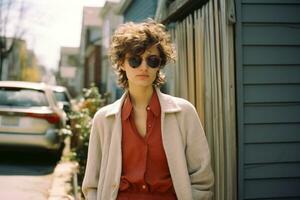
20	97
61	96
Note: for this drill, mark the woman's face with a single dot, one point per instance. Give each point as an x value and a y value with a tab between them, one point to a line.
142	75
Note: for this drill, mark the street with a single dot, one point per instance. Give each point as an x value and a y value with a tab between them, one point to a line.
25	175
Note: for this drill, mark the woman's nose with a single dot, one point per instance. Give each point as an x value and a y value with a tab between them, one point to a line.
144	64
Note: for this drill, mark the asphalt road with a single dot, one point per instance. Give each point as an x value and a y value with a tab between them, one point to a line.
25	175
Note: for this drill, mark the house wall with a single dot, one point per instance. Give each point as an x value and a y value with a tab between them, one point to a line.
93	66
268	98
110	22
140	10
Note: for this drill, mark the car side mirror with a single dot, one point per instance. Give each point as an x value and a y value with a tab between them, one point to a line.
67	108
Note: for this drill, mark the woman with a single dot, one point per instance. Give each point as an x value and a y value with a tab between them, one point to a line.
146	145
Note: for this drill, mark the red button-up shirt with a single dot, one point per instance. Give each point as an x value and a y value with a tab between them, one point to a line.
145	171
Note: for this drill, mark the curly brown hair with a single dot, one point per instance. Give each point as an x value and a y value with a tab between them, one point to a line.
134	39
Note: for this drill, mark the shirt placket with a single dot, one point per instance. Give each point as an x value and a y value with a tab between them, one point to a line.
149	122
149	127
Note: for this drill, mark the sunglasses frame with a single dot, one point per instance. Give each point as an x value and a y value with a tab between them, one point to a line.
140	60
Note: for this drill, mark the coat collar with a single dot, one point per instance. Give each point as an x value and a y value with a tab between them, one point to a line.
167	103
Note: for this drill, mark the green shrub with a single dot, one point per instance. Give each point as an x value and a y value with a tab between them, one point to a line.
81	121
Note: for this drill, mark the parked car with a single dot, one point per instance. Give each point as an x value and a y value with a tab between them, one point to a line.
63	97
30	116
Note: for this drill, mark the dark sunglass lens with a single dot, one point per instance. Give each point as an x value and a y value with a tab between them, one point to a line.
135	61
153	61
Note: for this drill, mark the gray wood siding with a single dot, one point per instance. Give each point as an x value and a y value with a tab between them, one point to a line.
268	98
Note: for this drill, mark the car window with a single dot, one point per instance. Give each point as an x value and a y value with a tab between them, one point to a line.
61	96
21	97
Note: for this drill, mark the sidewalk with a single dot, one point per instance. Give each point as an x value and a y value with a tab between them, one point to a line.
64	184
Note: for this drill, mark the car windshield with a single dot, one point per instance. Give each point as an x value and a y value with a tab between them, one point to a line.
21	97
61	96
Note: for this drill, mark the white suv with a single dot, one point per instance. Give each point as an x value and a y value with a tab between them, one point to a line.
63	96
30	116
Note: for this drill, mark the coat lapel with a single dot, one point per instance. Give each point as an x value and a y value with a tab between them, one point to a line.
174	145
115	162
113	172
168	105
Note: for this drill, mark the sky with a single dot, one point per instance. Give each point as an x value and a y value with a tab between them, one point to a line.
50	24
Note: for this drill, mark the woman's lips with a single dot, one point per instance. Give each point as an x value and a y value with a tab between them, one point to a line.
143	75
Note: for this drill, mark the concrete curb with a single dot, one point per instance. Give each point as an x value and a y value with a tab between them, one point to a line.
64	185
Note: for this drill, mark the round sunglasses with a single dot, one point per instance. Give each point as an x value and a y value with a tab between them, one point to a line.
152	61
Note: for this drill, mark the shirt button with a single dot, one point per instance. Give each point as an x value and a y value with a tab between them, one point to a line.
149	125
144	187
148	108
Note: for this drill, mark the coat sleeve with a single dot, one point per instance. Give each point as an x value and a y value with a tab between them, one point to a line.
198	156
92	171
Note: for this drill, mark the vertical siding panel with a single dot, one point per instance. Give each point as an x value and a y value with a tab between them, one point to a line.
199	64
183	61
177	66
218	98
190	60
208	86
215	109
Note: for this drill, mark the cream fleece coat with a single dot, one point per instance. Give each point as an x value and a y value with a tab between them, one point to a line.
184	142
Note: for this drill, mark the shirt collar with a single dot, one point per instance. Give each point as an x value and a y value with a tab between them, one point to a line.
168	104
127	108
154	106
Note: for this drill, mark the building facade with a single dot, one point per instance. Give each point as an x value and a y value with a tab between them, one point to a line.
69	72
268	99
90	46
111	19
